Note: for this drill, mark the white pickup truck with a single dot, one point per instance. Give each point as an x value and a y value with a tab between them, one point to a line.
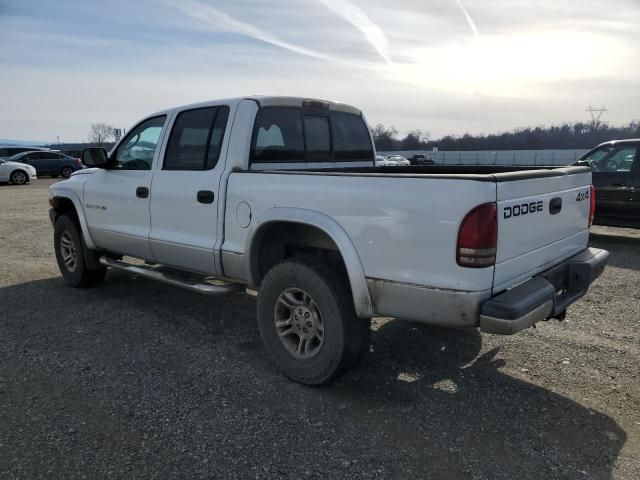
282	195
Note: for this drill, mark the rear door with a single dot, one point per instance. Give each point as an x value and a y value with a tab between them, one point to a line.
541	221
51	163
185	190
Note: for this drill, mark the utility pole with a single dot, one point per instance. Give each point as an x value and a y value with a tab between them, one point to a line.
596	114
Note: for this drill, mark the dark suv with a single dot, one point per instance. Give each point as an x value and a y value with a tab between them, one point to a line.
7	151
49	163
421	159
616	177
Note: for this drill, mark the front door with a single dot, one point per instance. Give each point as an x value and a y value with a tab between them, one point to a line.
116	199
612	177
184	206
37	161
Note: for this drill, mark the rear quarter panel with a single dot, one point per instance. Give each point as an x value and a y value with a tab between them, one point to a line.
404	229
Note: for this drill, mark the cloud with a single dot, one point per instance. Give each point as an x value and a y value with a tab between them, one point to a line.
357	17
470	21
224	21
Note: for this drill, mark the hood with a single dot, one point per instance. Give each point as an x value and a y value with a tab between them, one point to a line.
17	164
84	171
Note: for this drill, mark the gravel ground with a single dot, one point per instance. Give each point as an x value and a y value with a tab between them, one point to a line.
136	379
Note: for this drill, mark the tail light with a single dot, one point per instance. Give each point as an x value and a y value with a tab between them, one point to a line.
78	162
592	205
478	237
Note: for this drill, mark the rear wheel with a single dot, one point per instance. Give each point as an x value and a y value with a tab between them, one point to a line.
66	172
19	177
69	249
308	323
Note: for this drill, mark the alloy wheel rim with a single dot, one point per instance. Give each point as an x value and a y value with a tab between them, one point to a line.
298	323
68	251
66	172
19	178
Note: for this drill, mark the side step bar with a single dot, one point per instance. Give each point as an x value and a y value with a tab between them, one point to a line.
155	274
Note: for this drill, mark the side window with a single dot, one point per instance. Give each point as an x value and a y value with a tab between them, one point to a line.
317	138
351	138
277	135
614	159
196	139
137	149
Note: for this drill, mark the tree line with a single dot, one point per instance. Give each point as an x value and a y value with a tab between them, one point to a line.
567	135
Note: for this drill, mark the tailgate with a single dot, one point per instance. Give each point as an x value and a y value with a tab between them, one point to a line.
542	220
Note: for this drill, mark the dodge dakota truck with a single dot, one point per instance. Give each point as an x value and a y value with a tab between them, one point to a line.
281	195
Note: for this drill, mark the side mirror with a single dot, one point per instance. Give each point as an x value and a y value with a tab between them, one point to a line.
95	157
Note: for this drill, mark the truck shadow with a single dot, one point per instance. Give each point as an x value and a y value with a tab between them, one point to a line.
426	402
457	405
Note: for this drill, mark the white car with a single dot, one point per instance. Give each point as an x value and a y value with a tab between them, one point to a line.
235	194
399	159
385	162
16	173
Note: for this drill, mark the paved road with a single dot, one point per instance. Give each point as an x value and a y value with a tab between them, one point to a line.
135	379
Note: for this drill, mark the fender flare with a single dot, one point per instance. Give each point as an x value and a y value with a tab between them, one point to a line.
357	280
73	196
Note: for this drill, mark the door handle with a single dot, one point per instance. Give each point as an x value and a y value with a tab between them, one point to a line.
555	205
205	196
142	192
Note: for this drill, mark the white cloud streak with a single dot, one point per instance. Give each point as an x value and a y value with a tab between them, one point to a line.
358	18
470	21
226	22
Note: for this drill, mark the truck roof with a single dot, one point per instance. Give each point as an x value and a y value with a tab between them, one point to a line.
270	101
624	140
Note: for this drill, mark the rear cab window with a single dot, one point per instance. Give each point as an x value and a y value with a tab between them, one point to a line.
196	139
293	134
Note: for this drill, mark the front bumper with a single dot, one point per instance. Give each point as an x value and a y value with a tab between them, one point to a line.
544	296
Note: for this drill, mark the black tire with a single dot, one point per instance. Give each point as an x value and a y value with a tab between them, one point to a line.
67	236
346	337
66	172
19	177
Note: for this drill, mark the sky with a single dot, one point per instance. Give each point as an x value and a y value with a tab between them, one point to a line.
442	66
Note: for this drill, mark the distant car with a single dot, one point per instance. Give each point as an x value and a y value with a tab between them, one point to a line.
49	163
7	151
421	159
616	177
400	160
72	153
385	162
16	173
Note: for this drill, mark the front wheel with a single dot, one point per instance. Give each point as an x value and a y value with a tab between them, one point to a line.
19	177
308	323
68	246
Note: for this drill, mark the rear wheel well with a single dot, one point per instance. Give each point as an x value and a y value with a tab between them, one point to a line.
282	240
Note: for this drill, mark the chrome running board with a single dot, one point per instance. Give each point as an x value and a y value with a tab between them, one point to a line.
155	273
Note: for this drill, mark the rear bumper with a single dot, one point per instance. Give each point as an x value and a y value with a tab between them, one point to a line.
544	296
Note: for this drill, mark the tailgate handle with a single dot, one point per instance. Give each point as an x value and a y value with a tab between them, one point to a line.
555	205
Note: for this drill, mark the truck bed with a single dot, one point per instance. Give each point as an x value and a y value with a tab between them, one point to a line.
491	173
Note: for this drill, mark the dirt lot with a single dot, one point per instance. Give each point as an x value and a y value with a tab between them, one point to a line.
136	379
